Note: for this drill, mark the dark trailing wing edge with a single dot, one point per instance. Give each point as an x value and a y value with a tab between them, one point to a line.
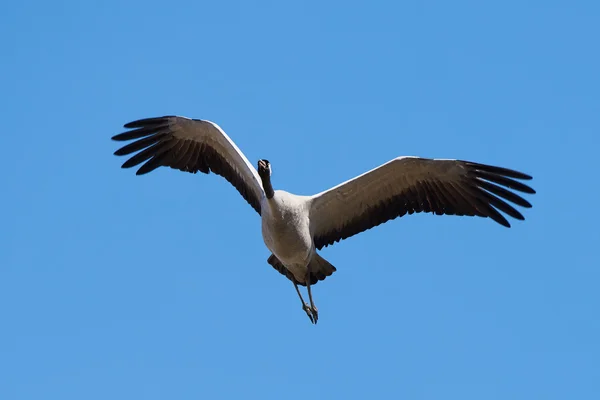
478	190
180	143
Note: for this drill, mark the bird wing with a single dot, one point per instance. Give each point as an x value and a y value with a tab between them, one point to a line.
190	145
406	185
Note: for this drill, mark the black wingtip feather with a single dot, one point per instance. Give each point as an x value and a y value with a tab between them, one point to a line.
511	173
499	218
504	181
139	144
122	136
140	132
144	122
502	205
505	194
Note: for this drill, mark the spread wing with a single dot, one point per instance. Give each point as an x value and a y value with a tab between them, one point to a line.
408	185
190	145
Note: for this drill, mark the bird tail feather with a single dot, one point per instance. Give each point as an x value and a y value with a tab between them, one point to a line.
320	269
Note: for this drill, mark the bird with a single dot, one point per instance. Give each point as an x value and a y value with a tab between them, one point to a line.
296	227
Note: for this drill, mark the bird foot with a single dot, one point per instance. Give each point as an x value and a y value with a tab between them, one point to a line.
312	314
315	313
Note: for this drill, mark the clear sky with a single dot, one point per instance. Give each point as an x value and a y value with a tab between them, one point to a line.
114	286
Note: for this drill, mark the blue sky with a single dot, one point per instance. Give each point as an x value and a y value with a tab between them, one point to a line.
117	286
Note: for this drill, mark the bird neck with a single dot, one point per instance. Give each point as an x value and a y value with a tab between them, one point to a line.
266	182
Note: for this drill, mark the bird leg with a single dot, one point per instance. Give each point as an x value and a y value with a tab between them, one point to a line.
305	306
314	310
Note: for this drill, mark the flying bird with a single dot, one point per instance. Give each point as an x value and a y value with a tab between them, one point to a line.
295	227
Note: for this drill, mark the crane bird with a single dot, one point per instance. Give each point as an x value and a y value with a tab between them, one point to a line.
294	227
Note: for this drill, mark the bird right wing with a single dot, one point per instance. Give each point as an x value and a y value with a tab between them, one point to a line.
190	145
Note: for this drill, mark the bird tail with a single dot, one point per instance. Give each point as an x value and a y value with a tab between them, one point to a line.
320	269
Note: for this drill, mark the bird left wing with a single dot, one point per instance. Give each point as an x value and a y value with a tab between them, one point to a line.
190	145
406	185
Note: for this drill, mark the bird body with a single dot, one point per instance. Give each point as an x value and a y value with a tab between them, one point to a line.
286	231
295	228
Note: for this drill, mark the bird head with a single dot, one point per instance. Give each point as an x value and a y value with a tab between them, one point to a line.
264	168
